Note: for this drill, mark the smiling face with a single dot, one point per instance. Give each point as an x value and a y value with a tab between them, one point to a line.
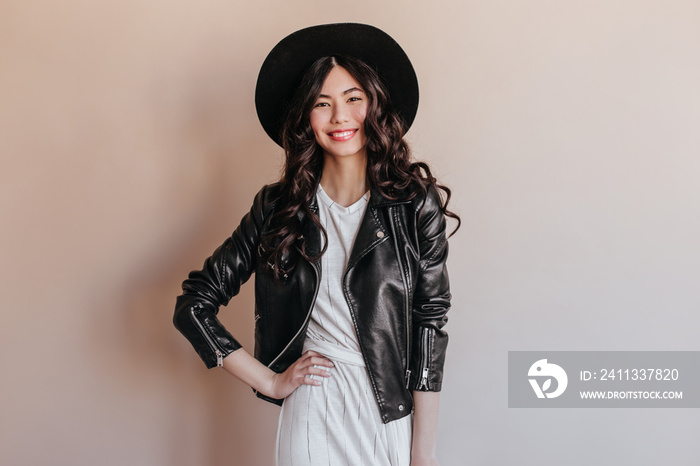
338	115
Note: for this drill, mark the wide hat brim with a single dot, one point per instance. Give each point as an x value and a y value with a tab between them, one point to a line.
282	70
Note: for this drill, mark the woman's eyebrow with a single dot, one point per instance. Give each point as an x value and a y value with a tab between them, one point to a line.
352	89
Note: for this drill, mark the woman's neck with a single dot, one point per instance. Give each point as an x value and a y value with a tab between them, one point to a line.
344	179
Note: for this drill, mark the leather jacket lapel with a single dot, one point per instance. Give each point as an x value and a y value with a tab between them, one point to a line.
372	232
373	229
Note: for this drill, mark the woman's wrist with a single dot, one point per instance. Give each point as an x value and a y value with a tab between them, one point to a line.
423	454
425	423
430	461
249	370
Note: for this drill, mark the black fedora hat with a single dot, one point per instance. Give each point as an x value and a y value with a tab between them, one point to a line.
282	70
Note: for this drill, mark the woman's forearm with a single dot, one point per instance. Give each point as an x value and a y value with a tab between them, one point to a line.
263	379
249	370
425	422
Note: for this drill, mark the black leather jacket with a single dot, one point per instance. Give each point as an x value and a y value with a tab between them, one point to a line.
396	286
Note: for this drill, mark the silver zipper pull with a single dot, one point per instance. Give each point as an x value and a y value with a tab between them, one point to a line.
424	379
408	378
219	359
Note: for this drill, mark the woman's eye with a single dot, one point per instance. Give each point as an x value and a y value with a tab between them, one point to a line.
321	104
354	99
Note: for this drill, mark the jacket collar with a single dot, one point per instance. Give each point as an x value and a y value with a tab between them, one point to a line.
376	199
373	229
379	200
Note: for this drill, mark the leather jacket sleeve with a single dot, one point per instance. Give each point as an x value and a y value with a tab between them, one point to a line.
215	284
431	298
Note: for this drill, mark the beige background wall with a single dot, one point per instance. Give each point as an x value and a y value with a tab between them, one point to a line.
130	148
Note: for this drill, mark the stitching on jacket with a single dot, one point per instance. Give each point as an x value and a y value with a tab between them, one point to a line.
435	253
406	269
222	269
439	247
406	278
379	399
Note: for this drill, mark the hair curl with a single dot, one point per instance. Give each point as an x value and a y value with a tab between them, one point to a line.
389	166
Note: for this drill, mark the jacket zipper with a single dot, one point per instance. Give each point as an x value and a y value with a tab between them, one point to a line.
406	300
317	271
424	384
357	333
212	345
308	314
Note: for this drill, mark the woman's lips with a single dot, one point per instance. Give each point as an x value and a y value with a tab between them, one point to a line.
342	135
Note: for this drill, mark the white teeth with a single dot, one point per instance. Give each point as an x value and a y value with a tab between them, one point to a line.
342	134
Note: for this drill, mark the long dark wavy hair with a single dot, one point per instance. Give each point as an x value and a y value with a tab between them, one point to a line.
390	169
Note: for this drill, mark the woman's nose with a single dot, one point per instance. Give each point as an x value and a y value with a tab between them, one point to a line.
340	114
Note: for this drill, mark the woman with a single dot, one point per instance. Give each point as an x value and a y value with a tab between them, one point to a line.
349	251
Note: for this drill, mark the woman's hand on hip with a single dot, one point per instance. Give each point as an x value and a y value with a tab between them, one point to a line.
310	363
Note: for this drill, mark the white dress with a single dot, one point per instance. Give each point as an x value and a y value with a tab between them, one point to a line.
338	422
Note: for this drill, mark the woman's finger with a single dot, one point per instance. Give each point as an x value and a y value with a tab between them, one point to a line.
310	381
312	370
304	363
316	361
319	370
316	357
315	377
